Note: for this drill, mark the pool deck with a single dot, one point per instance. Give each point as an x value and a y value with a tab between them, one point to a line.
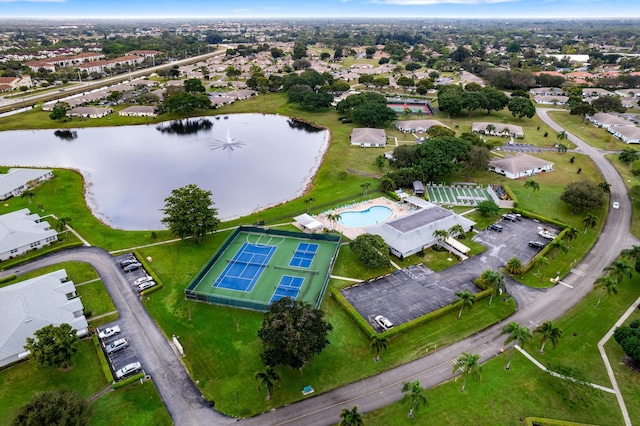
397	210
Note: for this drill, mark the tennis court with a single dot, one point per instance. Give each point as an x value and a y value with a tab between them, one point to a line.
415	108
255	267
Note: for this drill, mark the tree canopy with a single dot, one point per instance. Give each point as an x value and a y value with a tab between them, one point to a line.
441	156
53	346
189	212
55	407
184	103
371	250
583	196
373	114
292	333
521	107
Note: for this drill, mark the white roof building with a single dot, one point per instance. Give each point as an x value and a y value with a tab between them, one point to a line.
22	231
626	134
412	233
417	126
29	305
606	120
515	166
16	181
497	129
367	137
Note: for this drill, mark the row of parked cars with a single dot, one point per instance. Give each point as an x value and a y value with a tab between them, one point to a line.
112	346
130	264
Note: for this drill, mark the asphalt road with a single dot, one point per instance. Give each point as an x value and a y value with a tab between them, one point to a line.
181	397
187	407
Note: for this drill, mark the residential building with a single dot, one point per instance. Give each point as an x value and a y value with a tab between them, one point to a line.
497	129
16	181
30	305
606	120
519	165
626	134
139	111
551	100
22	231
417	126
89	112
367	137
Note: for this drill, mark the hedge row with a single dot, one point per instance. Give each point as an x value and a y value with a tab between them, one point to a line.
544	219
392	195
351	311
128	380
538	421
159	284
28	257
510	194
8	278
106	369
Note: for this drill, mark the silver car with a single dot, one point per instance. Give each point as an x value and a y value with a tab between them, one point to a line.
116	345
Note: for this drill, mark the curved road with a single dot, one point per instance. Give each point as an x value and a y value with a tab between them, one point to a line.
187	407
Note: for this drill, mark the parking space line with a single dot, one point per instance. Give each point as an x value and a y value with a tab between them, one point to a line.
565	284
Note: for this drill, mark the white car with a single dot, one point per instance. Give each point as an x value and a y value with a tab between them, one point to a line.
109	331
128	369
116	346
384	322
143	280
616	205
146	285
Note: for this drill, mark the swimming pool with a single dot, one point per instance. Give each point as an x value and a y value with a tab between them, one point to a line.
370	216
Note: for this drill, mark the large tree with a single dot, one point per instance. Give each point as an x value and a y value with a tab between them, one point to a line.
441	156
608	104
59	111
193	85
521	107
53	346
373	114
184	103
189	212
494	99
55	407
583	195
478	160
371	250
292	332
487	208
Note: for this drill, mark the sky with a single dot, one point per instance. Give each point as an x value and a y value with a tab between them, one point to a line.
492	9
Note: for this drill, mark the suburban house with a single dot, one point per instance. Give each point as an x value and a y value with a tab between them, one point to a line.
551	99
366	137
29	305
139	111
417	126
410	234
628	93
13	83
89	112
626	134
16	181
497	129
519	165
606	120
22	231
548	91
595	92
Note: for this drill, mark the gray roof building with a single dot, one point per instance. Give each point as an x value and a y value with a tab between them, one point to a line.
368	137
21	231
515	166
16	181
417	126
32	304
497	129
410	234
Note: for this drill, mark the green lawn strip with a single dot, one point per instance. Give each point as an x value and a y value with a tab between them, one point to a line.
95	298
19	382
506	398
628	380
585	130
97	322
630	180
583	326
137	404
78	272
223	349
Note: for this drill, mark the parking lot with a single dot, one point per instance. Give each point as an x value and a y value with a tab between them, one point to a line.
523	147
411	293
131	274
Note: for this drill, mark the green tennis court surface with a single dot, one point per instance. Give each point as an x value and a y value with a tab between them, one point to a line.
255	267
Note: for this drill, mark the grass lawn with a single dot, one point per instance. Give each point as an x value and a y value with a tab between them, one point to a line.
95	298
139	404
78	272
19	382
505	398
630	180
223	349
594	136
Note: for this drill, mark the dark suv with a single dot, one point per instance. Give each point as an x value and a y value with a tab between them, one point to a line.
537	245
494	227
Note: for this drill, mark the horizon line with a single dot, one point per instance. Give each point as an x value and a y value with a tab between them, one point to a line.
341	17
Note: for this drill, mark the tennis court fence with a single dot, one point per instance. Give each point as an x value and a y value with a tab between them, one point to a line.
226	300
243	262
296	270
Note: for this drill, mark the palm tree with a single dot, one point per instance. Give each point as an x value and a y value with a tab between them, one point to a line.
468	365
605	186
365	187
515	333
628	156
29	195
379	344
608	285
618	269
415	393
493	279
541	261
267	378
570	234
558	245
441	234
309	201
351	417
490	128
590	221
514	266
457	230
532	185
333	218
62	222
562	136
465	298
562	148
549	332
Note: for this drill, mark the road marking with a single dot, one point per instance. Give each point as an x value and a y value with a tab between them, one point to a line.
578	272
565	284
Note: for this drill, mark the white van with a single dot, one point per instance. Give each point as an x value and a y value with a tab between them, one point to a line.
384	322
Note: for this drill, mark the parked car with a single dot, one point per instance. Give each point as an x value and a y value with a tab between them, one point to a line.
384	322
132	267
546	234
116	346
495	227
511	217
143	280
127	262
128	369
108	332
146	285
537	245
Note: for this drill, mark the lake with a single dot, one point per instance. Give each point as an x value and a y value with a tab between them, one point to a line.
248	161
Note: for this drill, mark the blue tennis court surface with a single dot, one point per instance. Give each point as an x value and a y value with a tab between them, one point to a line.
304	254
243	271
288	286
